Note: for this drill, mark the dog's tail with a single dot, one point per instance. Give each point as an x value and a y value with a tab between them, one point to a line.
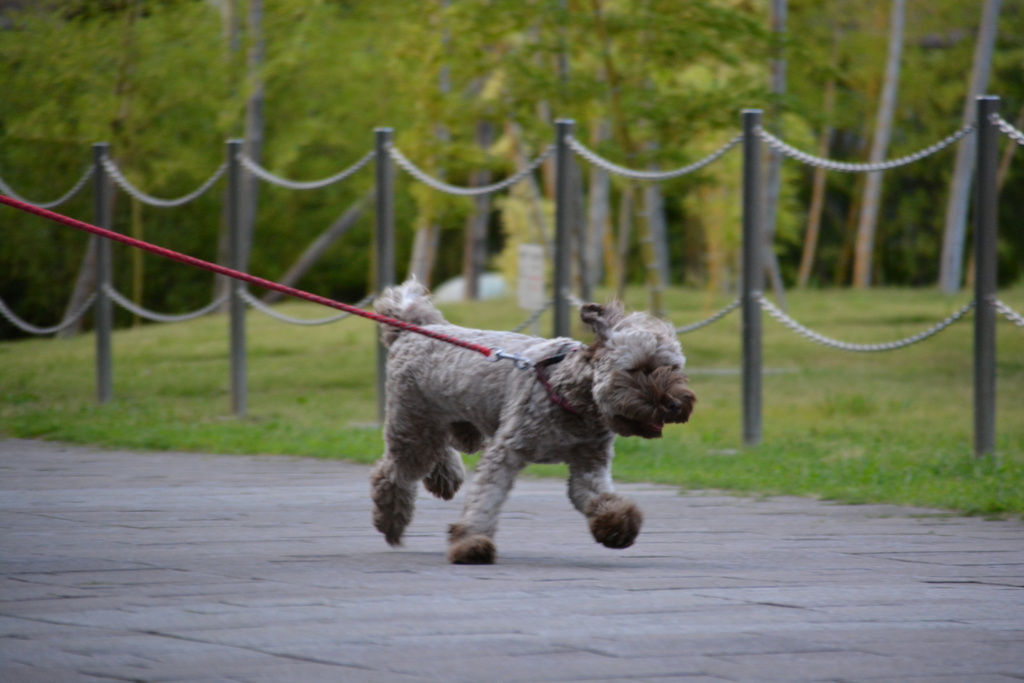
407	302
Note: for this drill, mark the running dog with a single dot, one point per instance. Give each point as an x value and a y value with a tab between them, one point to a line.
566	405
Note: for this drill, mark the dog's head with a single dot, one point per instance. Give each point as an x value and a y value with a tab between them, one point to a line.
639	384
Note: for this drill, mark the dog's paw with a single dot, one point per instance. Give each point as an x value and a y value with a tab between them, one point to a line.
446	478
472	549
392	506
614	521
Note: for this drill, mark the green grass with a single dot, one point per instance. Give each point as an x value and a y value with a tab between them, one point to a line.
881	427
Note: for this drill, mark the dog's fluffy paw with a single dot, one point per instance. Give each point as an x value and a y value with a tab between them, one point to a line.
446	478
467	548
392	506
614	521
475	549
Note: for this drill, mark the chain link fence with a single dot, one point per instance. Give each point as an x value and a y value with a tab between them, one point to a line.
267	176
1008	129
845	167
611	167
808	333
75	189
441	186
565	147
118	177
28	327
263	308
713	318
130	306
1010	314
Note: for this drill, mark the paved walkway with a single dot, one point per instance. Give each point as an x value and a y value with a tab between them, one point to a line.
181	567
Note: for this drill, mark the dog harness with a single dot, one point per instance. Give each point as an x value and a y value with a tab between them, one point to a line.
539	370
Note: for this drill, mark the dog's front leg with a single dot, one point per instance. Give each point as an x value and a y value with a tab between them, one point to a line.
471	538
614	521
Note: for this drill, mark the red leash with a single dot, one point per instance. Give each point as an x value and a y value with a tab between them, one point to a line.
244	277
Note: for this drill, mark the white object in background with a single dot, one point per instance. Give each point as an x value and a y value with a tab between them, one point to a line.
531	276
490	286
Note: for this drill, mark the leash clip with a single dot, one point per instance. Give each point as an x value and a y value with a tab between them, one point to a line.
521	362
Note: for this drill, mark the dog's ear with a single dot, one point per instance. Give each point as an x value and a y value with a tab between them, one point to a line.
602	319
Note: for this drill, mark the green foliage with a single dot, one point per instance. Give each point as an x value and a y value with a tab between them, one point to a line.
937	60
159	80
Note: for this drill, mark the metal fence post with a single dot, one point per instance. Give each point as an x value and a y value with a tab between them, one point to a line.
384	246
985	283
752	277
103	312
563	226
236	306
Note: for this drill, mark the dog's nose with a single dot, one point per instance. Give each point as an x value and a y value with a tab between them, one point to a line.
671	404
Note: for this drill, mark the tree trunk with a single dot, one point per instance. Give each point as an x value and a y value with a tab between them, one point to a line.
951	266
138	264
818	192
625	228
580	235
1011	149
540	220
474	254
598	210
773	184
428	232
122	131
843	267
547	169
654	210
317	247
253	146
867	225
424	251
232	44
85	284
655	252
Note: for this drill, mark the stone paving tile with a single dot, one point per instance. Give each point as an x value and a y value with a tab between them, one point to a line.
185	567
43	674
529	668
952	678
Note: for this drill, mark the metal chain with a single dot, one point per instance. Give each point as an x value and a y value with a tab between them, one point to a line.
1008	128
75	189
1011	315
707	321
577	302
829	164
793	325
118	177
612	167
264	174
32	329
533	317
441	186
267	310
129	305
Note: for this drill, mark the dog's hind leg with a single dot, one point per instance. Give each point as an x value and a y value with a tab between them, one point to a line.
413	449
394	499
470	539
447	476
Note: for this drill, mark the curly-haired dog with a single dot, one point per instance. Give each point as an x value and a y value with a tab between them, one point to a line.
442	399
